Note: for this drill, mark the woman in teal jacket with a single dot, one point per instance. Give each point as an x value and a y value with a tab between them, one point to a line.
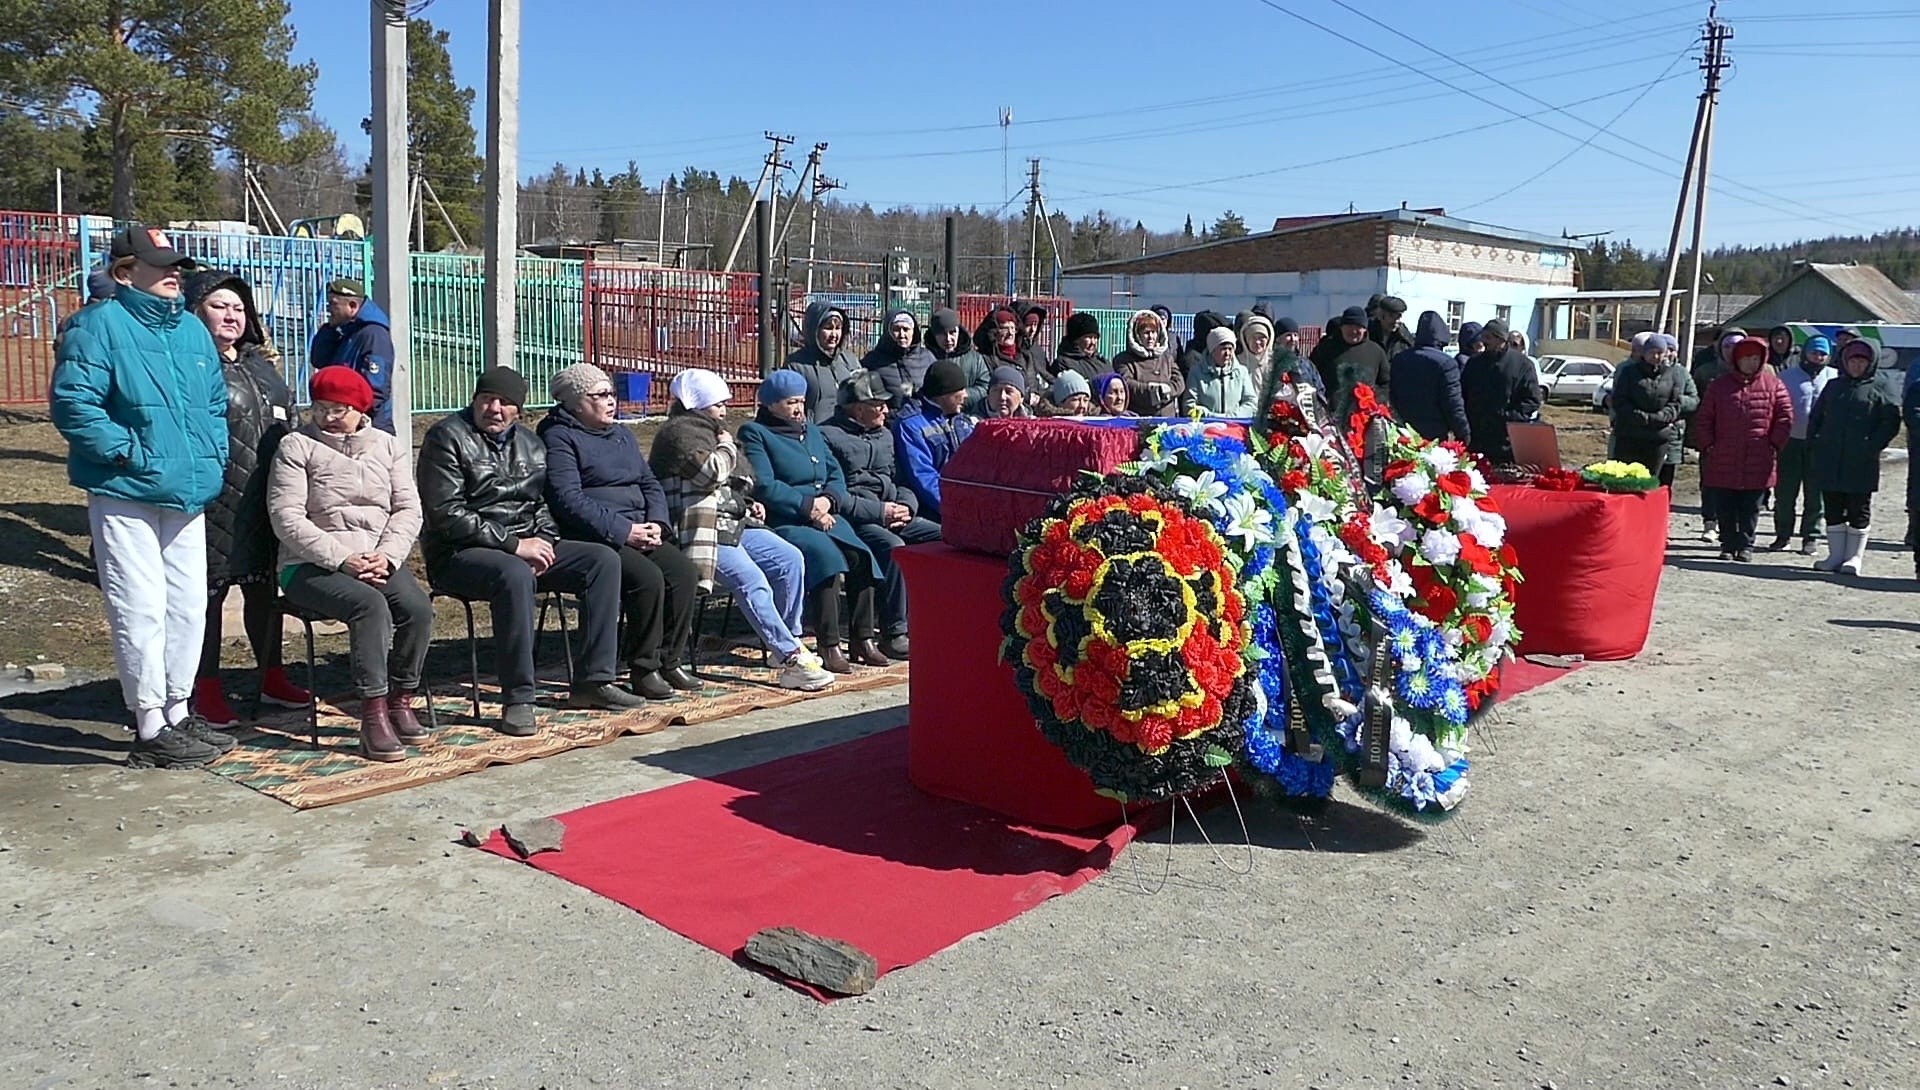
797	478
139	394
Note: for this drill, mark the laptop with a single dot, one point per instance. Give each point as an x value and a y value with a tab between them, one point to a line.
1536	447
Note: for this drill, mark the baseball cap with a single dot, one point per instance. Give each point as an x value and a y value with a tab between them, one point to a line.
149	246
348	287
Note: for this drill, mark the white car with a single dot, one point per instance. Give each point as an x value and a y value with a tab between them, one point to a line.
1572	378
1603	397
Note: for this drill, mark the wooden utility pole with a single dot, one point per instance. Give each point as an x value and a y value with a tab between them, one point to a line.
1714	62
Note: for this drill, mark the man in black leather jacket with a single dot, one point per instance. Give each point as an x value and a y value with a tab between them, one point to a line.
489	537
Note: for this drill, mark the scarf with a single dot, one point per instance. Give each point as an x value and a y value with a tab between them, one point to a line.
780	425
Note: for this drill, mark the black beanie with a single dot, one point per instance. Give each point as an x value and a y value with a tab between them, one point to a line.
505	383
1082	324
944	377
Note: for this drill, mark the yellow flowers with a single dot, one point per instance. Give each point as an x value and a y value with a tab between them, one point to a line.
1624	471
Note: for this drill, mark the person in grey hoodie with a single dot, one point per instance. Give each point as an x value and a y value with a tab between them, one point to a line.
823	360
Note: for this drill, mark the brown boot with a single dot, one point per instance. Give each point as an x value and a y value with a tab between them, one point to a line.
866	649
406	726
825	606
377	740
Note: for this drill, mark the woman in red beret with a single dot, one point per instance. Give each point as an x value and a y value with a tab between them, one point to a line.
342	502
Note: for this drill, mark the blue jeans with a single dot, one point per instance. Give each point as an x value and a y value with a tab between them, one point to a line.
768	579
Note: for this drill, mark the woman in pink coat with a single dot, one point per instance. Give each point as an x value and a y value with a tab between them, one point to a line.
1745	418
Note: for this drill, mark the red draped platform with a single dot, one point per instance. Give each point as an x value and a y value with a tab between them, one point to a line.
1591	563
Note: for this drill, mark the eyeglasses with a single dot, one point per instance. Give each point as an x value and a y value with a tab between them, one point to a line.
601	395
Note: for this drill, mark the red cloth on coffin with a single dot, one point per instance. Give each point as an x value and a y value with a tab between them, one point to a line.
1007	472
1591	565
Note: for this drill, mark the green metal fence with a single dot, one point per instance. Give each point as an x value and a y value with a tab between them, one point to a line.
448	349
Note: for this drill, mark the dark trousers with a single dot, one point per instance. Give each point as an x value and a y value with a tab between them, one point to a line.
1738	515
259	614
1709	497
389	627
1651	453
589	572
1796	490
656	594
1853	509
893	585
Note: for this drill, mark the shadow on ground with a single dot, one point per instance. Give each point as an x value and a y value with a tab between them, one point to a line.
1890	626
1794	575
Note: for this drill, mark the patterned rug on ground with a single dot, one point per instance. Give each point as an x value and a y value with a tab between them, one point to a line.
276	759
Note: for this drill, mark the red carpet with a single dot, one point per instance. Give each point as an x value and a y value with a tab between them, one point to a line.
837	842
1521	676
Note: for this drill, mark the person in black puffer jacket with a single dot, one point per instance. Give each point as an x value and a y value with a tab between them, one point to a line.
1499	389
1426	384
241	549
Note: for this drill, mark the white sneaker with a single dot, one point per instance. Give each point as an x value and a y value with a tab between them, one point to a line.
802	671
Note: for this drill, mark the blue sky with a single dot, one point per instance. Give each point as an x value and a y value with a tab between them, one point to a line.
1155	111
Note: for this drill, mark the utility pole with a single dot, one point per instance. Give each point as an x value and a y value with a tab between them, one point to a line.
500	265
246	192
1006	180
660	257
822	185
806	178
391	282
769	171
1716	34
1033	227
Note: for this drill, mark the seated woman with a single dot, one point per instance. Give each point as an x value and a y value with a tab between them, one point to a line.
804	490
601	490
707	482
1110	395
341	499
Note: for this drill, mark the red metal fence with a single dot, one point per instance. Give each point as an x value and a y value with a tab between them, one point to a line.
40	284
646	320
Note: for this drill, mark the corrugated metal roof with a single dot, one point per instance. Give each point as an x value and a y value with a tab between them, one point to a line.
1871	289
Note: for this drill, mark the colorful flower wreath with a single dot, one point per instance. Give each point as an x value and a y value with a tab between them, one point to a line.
1127	630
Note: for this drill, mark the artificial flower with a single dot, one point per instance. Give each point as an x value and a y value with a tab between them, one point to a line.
1440	547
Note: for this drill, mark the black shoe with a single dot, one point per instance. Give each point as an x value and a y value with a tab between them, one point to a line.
1726	554
605	696
199	730
651	685
678	677
1779	544
896	647
171	748
1744	556
517	721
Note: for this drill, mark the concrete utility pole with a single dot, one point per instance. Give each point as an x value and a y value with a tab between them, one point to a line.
1699	161
391	280
503	180
822	185
1033	227
793	206
769	171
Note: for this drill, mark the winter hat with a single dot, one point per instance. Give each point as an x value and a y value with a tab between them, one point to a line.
1640	340
1469	332
1749	346
1494	333
1858	348
1008	376
698	388
1221	336
1252	320
1066	384
1731	340
341	385
1669	342
505	383
1165	314
942	320
1284	325
1082	324
571	384
1817	343
1354	316
1104	382
782	385
944	377
865	386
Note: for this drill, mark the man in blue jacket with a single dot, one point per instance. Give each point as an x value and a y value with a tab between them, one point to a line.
932	427
139	394
358	335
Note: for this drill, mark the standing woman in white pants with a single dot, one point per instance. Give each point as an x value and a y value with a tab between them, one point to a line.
139	395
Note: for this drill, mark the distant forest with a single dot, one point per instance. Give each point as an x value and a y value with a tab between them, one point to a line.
1756	270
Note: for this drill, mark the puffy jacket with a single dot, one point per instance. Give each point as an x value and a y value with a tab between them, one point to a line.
867	457
330	497
599	486
478	492
138	394
366	345
1344	367
259	413
823	373
901	369
1426	384
1219	391
972	363
1195	353
1648	404
1498	389
1852	422
924	439
1142	372
1743	422
1803	390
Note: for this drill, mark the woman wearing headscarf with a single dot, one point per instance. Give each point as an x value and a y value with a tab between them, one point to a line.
1708	364
240	545
1256	335
1148	366
1650	396
1220	386
900	359
721	530
1110	395
345	508
1080	349
1745	418
1852	422
797	478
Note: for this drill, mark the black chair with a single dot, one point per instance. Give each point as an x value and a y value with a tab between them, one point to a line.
308	618
552	598
724	601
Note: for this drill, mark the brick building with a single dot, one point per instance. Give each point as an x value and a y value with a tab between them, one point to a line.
1309	267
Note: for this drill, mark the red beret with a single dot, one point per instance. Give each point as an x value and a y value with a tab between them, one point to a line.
342	386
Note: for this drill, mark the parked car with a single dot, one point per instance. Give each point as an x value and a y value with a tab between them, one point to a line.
1572	378
1603	396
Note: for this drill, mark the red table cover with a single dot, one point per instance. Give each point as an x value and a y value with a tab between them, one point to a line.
1007	472
1591	565
970	735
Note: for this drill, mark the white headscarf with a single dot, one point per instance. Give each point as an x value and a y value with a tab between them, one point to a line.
697	388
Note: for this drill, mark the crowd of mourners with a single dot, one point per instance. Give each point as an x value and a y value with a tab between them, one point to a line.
201	477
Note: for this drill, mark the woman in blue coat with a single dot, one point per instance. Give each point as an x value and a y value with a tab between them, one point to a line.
800	483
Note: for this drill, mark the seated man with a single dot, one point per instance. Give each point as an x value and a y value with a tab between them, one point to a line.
882	512
489	537
930	429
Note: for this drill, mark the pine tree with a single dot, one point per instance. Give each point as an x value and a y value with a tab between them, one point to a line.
1229	225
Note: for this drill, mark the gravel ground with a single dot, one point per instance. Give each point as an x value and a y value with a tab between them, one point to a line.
1696	869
